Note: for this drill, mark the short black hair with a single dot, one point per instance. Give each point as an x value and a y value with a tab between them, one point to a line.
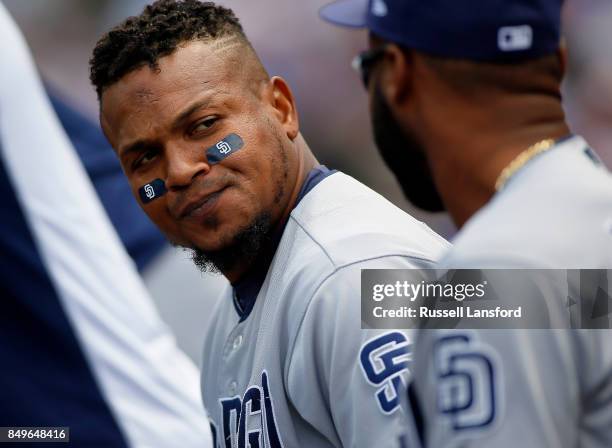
157	32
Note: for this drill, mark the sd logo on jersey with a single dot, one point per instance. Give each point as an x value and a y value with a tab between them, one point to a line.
249	422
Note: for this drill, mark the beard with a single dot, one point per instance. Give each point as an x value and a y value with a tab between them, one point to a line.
245	247
404	156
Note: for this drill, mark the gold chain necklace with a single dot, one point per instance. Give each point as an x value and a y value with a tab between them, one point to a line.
519	161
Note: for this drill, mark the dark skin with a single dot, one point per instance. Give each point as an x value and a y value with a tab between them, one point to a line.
468	135
160	123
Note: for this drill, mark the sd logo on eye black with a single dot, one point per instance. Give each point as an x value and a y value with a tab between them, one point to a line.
215	154
152	190
225	148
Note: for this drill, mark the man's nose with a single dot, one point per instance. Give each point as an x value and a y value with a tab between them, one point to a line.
185	163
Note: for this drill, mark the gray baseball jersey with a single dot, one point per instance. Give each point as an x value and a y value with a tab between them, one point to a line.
527	388
298	370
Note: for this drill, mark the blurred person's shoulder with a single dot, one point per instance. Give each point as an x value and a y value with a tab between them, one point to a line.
555	213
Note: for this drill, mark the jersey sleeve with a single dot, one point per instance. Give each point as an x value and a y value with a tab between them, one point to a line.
496	388
503	388
345	381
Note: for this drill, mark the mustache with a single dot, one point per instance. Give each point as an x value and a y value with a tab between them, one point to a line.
179	199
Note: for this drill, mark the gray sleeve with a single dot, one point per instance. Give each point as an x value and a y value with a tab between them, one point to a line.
345	381
498	387
503	388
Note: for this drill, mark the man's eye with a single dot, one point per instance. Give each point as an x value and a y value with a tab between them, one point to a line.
146	158
204	125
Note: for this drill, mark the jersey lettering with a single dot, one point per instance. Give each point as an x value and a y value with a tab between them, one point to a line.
384	361
249	422
231	415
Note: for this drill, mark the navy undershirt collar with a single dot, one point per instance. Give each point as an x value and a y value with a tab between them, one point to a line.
246	289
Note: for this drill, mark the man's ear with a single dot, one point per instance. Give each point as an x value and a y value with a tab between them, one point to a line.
395	75
281	99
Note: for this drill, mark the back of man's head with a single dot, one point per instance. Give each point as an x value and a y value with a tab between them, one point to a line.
157	32
476	80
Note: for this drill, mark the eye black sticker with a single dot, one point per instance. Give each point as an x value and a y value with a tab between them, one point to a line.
215	154
225	148
152	190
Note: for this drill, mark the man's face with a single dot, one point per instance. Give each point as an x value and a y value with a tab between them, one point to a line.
161	122
401	151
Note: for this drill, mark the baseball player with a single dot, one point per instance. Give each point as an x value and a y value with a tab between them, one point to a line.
471	98
81	344
211	146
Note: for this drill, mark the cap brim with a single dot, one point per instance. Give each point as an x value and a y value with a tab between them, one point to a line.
350	13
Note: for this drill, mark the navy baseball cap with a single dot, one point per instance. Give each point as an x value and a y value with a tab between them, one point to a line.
487	30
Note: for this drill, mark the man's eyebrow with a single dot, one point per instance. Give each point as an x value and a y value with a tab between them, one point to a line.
186	113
